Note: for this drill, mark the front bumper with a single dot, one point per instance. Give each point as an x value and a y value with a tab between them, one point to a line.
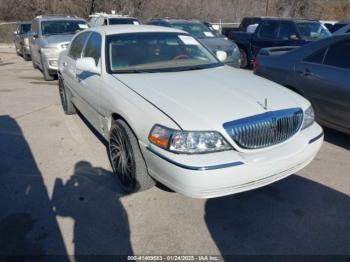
50	62
230	172
26	50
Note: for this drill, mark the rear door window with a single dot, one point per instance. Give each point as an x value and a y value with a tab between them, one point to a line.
286	31
268	30
77	45
338	55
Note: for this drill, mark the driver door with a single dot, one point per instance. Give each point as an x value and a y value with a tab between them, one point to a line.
88	84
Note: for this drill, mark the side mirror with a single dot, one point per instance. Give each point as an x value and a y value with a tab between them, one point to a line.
32	34
293	37
221	55
87	64
15	33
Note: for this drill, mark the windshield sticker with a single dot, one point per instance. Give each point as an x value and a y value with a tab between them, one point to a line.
83	26
209	34
188	40
136	23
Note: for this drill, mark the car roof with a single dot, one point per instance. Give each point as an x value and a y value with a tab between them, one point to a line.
51	18
124	29
289	19
106	15
177	21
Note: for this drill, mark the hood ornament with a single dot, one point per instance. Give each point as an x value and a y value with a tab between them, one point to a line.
264	105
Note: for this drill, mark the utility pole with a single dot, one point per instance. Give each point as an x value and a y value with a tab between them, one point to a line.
267	8
92	7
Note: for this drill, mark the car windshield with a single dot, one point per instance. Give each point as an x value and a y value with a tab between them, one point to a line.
312	30
198	30
123	21
25	28
157	52
62	27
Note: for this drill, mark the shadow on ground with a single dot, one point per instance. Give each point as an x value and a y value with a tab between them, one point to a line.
91	198
28	224
294	216
337	138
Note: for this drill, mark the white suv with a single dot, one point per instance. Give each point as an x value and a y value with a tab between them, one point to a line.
100	19
172	112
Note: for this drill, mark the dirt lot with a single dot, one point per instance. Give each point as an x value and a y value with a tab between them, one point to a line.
58	196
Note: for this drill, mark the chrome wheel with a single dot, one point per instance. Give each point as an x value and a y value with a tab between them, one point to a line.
122	158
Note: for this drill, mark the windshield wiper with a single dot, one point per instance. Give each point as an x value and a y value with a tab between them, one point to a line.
187	68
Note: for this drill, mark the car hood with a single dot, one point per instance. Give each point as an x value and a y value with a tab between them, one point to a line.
54	40
206	99
217	43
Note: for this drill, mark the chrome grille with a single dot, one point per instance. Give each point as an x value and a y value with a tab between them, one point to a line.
265	130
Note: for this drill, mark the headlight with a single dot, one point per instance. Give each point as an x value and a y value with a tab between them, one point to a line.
50	51
309	117
188	142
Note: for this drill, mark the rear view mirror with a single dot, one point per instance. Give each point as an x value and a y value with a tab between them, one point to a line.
87	64
221	55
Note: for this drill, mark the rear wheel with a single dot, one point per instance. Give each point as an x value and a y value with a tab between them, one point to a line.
126	159
244	58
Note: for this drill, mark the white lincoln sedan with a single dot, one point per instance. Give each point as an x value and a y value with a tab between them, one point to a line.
172	112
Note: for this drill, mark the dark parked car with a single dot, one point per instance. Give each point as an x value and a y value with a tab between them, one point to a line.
338	26
212	39
272	32
21	39
319	71
344	29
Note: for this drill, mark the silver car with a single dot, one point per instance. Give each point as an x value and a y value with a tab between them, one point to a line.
51	35
210	38
21	39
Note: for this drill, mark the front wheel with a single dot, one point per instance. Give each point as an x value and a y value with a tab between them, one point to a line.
46	73
126	159
244	59
25	56
66	98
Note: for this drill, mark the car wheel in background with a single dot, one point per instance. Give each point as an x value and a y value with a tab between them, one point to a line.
46	73
66	98
244	58
34	64
126	159
25	56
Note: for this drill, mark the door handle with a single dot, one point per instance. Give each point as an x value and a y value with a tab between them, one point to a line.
64	64
307	72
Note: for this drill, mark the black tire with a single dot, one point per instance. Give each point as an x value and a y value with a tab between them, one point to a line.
46	73
66	98
244	59
25	56
127	160
34	64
